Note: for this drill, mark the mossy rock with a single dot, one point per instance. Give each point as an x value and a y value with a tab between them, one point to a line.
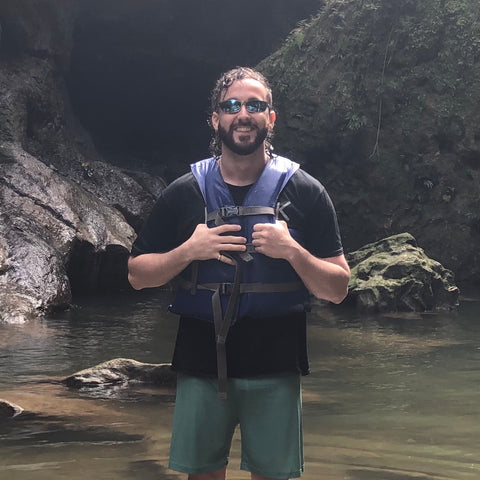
395	274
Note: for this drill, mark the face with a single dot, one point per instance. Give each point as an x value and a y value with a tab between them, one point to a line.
243	133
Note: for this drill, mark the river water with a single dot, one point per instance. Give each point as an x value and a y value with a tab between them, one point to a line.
390	397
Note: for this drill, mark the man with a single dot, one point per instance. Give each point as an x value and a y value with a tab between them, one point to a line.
250	236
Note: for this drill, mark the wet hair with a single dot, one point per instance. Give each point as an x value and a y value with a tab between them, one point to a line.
217	95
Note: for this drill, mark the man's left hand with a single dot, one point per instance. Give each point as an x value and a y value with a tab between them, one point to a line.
272	239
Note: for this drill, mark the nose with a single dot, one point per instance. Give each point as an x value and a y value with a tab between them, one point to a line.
243	112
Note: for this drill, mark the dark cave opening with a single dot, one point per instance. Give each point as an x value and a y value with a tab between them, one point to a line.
141	71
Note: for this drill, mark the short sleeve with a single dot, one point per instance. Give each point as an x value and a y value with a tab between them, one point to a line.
178	210
310	211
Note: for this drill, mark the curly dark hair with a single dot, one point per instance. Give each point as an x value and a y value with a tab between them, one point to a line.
221	86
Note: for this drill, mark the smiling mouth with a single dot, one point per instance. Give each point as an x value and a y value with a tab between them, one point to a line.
244	128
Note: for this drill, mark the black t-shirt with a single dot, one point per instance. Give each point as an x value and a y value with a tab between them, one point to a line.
255	346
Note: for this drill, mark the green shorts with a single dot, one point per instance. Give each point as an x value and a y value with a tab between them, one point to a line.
268	410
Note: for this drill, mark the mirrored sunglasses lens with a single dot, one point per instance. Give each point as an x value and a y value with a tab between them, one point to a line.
255	106
234	106
230	106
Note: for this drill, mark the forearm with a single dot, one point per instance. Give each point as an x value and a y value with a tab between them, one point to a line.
324	278
157	269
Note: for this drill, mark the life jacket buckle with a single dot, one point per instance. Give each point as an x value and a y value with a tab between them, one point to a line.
229	212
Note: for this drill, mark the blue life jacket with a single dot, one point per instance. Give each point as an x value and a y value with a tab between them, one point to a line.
263	286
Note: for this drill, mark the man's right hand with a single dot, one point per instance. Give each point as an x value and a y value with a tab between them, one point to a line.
156	269
210	243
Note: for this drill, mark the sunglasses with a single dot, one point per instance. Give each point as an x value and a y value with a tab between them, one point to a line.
234	106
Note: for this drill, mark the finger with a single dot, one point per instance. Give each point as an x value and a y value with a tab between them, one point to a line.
233	248
259	227
231	239
227	260
283	224
228	227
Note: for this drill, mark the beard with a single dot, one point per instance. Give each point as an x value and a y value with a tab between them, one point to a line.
244	146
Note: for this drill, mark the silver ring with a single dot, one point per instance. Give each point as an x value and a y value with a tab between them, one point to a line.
219	256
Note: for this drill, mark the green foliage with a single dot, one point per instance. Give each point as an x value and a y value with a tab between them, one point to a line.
355	121
390	50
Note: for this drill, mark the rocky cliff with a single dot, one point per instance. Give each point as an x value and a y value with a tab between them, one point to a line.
379	100
67	217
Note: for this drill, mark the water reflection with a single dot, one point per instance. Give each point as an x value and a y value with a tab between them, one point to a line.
389	397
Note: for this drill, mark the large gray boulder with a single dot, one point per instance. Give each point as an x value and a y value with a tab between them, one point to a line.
394	274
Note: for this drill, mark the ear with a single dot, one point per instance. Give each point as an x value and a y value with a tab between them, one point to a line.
272	116
215	121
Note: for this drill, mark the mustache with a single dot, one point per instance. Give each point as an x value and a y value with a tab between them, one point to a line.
243	123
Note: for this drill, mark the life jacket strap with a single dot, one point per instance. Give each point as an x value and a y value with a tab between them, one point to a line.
247	256
224	213
222	325
257	287
194	277
222	322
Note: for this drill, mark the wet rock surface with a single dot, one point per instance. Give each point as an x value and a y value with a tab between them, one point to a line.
9	409
394	274
47	223
67	218
122	371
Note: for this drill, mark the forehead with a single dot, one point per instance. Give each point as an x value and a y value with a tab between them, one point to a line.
245	89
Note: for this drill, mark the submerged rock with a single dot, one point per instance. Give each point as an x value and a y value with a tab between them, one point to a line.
121	371
394	274
8	409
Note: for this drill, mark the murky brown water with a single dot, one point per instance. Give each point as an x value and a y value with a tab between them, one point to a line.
390	397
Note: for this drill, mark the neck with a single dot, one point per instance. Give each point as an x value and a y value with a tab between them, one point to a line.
241	170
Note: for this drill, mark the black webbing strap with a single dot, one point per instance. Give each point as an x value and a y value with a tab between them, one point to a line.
229	212
228	288
194	278
222	325
222	322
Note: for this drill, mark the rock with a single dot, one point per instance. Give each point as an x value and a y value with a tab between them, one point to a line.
67	218
8	409
121	371
39	28
394	274
49	225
